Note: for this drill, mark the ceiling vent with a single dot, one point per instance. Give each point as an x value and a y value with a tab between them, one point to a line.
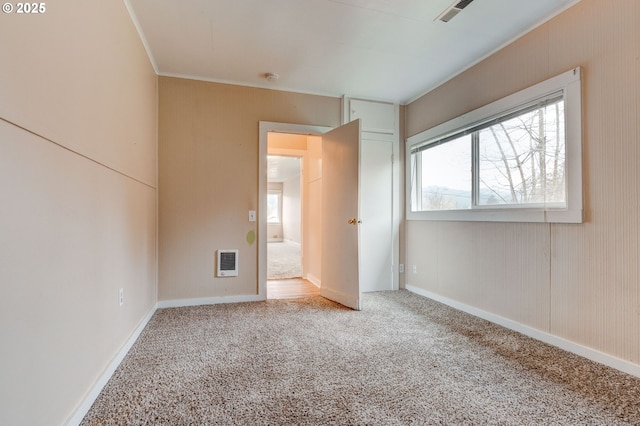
453	10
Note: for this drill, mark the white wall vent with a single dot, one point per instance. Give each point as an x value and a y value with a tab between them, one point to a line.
453	10
227	263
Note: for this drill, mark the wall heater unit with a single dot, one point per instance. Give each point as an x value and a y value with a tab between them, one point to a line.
227	263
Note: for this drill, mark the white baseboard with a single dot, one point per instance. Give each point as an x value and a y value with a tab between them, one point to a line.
179	303
567	345
313	280
93	394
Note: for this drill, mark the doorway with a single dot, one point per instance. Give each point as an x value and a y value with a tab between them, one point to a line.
293	197
284	217
310	150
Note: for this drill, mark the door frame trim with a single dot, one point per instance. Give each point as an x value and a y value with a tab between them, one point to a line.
265	127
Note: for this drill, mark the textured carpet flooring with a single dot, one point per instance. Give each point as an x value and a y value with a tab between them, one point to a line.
283	260
403	360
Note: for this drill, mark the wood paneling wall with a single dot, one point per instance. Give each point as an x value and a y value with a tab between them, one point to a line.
579	282
78	107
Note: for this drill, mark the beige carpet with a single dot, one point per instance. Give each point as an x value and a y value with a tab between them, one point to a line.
283	260
403	360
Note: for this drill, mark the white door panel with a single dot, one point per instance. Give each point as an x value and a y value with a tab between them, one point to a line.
377	117
340	176
376	230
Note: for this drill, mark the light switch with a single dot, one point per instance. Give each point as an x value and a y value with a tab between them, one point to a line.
252	215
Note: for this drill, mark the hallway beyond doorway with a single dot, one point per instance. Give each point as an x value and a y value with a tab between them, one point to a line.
291	289
283	260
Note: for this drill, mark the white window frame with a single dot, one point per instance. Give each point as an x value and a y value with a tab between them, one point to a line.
569	83
278	193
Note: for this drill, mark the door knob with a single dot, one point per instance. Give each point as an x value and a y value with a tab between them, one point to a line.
353	221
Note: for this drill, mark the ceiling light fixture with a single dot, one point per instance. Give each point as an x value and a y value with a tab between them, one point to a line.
271	76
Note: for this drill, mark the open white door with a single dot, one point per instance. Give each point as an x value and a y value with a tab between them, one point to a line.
340	215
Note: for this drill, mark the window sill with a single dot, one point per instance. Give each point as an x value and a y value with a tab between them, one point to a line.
500	215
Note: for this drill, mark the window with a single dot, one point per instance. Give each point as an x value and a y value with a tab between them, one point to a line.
517	159
274	206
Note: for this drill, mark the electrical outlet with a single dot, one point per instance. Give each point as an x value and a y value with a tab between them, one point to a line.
415	269
401	268
121	296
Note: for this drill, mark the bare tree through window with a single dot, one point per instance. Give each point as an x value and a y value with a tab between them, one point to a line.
521	160
517	159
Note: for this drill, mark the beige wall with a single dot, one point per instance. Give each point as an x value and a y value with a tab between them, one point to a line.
286	141
208	168
78	202
312	211
292	209
578	282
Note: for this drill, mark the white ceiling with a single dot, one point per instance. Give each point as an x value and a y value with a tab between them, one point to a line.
281	169
376	49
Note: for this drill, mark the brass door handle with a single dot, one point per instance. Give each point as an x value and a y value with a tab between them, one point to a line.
353	221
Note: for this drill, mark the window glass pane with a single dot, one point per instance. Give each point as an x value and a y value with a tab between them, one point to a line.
446	175
514	160
522	160
273	207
